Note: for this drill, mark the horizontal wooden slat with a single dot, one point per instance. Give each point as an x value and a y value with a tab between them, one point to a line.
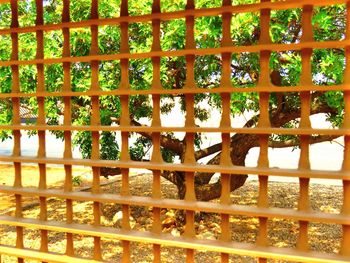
278	5
182	52
44	257
243	249
120	92
257	130
209	207
303	173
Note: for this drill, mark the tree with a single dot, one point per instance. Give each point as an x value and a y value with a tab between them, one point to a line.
285	67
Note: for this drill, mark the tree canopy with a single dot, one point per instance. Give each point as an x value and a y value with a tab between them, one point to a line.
285	67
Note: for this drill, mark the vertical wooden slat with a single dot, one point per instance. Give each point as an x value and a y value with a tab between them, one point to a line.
67	120
305	97
225	158
125	121
16	120
41	121
345	248
264	121
189	122
156	154
95	120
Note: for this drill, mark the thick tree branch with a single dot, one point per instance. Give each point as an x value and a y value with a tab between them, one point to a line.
172	144
293	143
208	151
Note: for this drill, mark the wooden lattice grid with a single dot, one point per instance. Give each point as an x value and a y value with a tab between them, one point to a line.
260	250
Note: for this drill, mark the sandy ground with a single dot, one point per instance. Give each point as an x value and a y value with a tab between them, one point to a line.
281	233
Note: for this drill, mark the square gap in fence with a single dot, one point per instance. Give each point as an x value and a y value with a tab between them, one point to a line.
53	44
243	111
6	143
284	150
207	225
137	8
6	116
80	41
335	25
333	73
172	113
326	195
111	215
282	232
7	236
111	250
27	46
141	183
173	73
283	192
285	25
109	38
140	75
206	32
54	77
83	246
244	229
140	147
30	175
141	36
172	6
54	114
32	238
27	13
29	143
55	176
173	254
250	22
81	178
207	256
28	80
8	205
80	76
141	218
57	242
242	259
245	69
174	34
81	110
327	155
109	9
6	47
325	238
208	146
51	11
141	252
6	79
208	72
109	75
7	175
252	157
285	71
247	194
83	212
110	149
79	11
5	21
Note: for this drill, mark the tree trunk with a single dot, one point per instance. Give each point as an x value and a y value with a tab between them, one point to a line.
205	191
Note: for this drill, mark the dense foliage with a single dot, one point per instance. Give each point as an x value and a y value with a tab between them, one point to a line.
285	27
